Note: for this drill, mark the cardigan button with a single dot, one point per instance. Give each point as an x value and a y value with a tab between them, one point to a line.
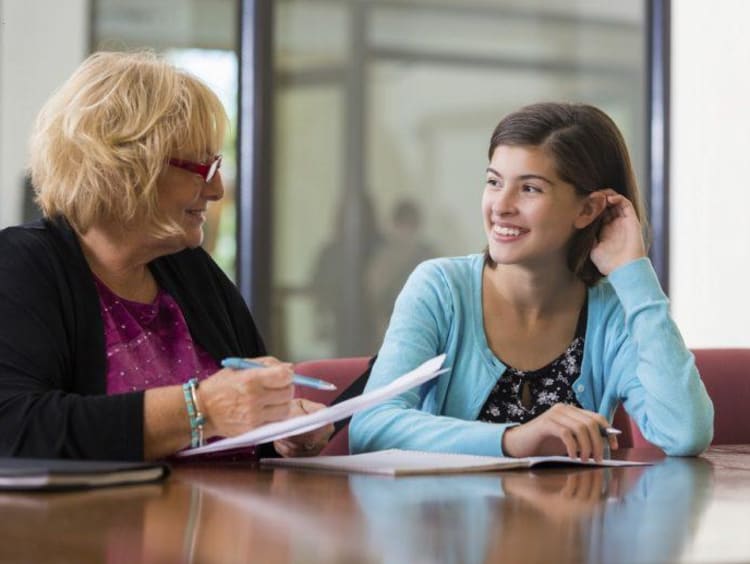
579	388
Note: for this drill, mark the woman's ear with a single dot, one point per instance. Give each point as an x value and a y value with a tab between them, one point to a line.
593	206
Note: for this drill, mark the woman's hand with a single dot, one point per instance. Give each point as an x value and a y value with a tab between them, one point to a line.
306	444
561	497
562	429
235	401
620	238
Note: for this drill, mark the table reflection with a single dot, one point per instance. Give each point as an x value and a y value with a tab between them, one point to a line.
270	516
239	514
548	515
104	525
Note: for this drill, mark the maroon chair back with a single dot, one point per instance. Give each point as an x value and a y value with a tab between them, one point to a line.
726	375
339	371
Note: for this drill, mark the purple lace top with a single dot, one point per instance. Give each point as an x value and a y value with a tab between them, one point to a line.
149	345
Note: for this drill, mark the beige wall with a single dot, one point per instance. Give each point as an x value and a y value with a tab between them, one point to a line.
710	200
41	42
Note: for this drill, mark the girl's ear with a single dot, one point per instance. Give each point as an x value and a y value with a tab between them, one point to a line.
593	206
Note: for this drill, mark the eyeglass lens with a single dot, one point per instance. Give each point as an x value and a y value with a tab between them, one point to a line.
212	170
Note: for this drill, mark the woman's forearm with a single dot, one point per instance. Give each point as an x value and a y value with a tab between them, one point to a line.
166	426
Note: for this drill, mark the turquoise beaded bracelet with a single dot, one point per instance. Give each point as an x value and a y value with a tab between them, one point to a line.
190	391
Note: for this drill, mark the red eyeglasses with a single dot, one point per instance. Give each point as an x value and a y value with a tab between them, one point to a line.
206	170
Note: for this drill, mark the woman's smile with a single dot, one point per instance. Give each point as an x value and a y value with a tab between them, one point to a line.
506	233
197	215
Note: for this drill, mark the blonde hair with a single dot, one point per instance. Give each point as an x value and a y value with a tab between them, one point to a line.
101	141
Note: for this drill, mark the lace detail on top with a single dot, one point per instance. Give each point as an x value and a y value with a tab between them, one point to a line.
519	395
148	345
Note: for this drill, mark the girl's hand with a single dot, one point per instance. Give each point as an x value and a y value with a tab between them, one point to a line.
235	401
306	444
560	497
562	429
620	237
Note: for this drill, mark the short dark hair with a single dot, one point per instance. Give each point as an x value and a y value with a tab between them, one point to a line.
589	153
406	212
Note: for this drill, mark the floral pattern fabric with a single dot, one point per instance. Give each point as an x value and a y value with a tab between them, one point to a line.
520	396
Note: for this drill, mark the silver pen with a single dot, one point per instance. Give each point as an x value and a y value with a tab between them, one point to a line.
608	431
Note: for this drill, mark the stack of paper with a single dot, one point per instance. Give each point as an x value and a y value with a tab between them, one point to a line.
304	423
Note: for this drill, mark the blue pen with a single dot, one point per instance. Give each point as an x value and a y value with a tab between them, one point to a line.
239	363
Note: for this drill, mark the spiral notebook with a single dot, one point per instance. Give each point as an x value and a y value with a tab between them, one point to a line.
395	462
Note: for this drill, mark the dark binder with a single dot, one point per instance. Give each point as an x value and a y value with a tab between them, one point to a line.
57	474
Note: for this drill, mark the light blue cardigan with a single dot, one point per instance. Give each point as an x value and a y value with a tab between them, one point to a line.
633	353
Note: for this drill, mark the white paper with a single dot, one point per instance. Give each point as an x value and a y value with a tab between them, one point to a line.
304	423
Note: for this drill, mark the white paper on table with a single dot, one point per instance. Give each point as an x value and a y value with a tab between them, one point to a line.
304	423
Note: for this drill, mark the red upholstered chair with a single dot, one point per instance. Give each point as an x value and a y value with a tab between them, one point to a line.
726	375
339	371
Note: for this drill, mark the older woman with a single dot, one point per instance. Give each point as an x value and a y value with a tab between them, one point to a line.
113	320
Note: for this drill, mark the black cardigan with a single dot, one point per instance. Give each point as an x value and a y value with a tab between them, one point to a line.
53	400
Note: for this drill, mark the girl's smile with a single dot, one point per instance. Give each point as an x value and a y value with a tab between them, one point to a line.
529	212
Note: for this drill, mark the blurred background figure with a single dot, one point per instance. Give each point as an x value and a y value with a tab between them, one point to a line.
403	249
337	280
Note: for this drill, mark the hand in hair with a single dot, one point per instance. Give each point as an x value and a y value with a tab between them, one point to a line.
620	239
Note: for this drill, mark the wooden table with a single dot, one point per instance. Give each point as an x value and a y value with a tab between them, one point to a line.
691	510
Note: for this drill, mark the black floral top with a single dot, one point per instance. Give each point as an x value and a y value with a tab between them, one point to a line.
520	396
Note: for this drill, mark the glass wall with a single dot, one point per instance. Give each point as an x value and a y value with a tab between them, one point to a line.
201	37
382	116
